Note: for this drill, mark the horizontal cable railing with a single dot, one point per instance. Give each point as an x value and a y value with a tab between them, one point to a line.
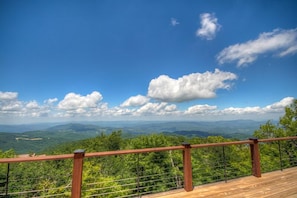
161	174
93	174
282	154
146	185
220	163
38	179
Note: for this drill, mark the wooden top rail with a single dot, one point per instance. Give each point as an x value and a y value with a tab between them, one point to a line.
36	158
278	139
222	144
135	151
96	154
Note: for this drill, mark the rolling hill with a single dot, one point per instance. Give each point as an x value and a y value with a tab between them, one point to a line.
35	141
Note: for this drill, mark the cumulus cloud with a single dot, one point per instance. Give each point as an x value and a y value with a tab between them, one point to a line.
208	112
119	111
200	109
11	107
8	95
276	107
209	26
190	87
8	102
174	22
148	110
279	106
77	101
50	101
240	111
134	101
278	42
162	108
32	105
90	106
76	105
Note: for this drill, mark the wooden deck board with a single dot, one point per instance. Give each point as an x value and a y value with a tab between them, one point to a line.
277	184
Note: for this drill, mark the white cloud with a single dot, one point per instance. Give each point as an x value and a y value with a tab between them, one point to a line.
50	101
189	87
207	112
76	101
76	105
32	105
279	42
90	107
162	108
120	111
244	110
133	101
9	103
11	107
8	95
209	26
279	106
174	22
72	106
200	109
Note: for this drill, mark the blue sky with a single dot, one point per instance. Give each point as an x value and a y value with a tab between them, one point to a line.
146	60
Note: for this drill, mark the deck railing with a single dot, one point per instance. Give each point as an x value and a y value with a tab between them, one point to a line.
189	170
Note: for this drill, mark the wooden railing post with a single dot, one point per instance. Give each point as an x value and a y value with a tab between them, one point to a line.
255	157
77	173
187	163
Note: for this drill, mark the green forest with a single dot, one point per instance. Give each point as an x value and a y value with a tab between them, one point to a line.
26	139
135	175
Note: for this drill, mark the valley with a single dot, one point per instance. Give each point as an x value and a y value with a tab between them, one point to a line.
47	136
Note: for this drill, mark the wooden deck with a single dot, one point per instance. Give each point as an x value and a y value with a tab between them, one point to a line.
277	184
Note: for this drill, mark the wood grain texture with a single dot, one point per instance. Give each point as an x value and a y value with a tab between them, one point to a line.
277	184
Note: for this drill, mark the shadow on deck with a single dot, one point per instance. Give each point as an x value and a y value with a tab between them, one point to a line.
277	184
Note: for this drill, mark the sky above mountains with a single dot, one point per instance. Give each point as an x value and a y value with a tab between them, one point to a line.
64	60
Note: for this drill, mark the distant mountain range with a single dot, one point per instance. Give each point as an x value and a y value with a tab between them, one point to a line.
36	137
232	126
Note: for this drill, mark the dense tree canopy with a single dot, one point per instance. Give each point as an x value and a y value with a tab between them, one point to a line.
287	125
283	153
